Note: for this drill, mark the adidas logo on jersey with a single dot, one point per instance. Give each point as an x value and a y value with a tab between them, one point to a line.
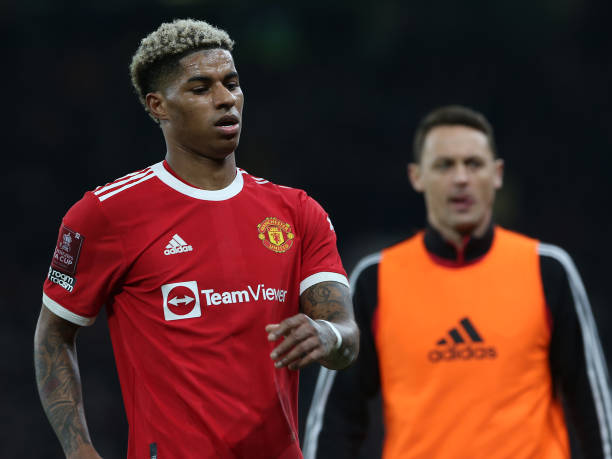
459	348
177	245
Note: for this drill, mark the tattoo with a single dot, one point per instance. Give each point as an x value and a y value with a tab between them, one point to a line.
58	380
332	301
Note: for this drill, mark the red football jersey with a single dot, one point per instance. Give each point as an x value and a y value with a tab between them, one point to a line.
190	278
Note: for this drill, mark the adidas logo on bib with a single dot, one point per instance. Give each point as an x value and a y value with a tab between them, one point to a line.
177	245
468	345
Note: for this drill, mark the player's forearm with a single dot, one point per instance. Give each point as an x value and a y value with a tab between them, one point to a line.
331	301
59	385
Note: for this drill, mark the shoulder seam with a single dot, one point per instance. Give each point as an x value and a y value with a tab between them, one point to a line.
597	370
263	181
257	180
119	185
126	176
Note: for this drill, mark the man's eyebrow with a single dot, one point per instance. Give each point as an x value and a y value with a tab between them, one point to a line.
206	79
203	79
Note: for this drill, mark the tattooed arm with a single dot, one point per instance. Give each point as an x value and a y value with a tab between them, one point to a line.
310	336
59	383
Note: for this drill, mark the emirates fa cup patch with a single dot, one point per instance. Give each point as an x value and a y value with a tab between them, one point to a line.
66	255
275	235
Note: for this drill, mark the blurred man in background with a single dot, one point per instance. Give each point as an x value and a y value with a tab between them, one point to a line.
202	268
481	340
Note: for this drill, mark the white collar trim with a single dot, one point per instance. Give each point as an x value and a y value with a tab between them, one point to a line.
205	195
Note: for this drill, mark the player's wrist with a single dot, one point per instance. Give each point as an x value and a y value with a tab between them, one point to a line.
338	336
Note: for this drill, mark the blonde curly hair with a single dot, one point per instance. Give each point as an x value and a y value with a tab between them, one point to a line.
159	52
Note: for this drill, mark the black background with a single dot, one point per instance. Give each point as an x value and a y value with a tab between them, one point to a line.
333	93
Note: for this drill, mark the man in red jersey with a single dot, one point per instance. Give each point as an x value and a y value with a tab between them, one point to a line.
204	270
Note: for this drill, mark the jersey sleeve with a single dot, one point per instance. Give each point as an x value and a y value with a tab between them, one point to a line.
320	259
577	361
87	262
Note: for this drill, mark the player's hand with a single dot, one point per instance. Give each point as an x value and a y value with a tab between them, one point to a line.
306	341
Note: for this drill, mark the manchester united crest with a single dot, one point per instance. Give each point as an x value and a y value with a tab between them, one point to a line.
275	234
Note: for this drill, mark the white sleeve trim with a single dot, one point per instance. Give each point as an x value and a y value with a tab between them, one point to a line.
64	313
314	421
364	263
597	370
322	277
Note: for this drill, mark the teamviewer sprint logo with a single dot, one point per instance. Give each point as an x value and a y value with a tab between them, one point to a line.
181	300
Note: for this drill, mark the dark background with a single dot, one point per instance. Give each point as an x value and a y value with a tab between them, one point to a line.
333	93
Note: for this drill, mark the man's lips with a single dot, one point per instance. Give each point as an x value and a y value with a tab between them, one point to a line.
230	129
461	203
228	124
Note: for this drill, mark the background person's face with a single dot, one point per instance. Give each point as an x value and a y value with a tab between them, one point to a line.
458	177
204	104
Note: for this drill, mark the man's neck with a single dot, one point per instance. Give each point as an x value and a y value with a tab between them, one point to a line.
201	171
458	237
471	249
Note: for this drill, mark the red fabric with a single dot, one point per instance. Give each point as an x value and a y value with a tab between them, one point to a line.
375	322
201	386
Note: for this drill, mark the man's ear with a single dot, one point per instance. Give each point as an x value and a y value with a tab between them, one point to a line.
414	174
156	104
499	173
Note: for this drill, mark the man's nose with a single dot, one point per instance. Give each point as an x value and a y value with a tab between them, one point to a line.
460	174
223	97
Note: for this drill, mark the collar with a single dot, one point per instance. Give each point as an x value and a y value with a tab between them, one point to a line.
445	253
169	177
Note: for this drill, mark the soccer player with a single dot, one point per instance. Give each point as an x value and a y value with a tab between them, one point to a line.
481	340
217	285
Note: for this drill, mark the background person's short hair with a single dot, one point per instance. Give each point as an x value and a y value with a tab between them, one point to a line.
451	115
